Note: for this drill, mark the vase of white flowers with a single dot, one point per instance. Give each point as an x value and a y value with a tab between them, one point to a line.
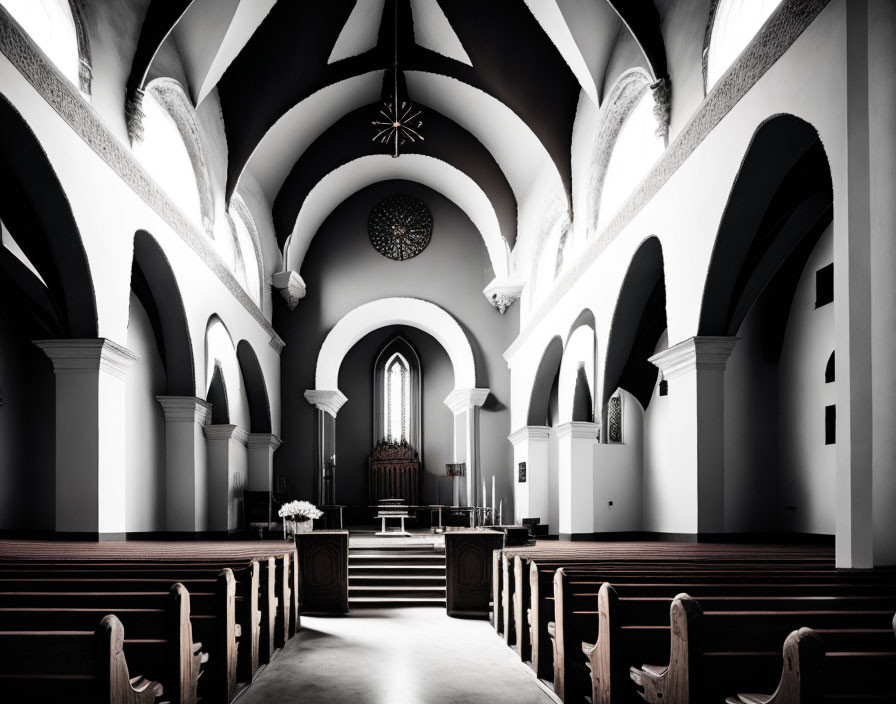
298	517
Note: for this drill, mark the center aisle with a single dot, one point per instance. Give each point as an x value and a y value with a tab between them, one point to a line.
401	656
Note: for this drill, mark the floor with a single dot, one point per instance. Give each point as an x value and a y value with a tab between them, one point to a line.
399	656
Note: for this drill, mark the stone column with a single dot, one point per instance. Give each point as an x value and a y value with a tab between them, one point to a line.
227	469
327	404
575	478
465	404
186	471
695	372
531	444
261	463
90	435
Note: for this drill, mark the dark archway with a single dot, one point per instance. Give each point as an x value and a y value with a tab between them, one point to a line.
155	286
582	408
256	389
781	202
638	322
217	398
36	211
545	376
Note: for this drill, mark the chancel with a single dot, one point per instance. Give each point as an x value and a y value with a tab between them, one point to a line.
447	351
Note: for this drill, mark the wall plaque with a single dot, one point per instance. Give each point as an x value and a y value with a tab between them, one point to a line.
522	472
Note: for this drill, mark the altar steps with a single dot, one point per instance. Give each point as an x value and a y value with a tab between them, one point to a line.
402	575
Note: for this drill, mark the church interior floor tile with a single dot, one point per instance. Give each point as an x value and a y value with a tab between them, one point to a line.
399	656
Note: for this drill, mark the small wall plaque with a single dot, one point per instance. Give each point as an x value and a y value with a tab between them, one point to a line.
456	470
522	472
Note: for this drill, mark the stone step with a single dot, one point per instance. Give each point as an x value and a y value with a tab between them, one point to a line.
381	602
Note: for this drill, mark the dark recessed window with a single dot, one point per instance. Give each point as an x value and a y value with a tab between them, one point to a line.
664	388
829	370
824	286
830	425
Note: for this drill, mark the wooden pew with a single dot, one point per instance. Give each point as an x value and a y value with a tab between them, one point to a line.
246	573
72	666
706	659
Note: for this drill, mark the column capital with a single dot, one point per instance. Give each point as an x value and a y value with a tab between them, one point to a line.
225	432
90	355
503	293
185	409
578	429
264	441
702	353
462	400
326	400
291	286
529	432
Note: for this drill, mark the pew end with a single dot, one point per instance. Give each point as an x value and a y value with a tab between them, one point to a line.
116	684
674	684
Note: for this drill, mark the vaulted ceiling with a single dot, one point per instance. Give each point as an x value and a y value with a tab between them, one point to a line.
300	83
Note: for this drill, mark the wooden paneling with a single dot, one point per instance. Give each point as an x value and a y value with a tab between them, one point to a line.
323	571
468	558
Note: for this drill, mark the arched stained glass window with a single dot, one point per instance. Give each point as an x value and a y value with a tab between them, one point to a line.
396	396
397	402
734	24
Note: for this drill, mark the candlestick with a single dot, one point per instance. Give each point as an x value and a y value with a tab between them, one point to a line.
493	498
484	495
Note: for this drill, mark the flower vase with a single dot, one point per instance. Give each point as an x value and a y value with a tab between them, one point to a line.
305	526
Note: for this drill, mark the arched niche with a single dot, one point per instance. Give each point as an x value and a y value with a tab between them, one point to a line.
221	361
256	389
781	201
350	178
155	285
398	346
37	212
543	384
577	377
413	312
217	396
639	320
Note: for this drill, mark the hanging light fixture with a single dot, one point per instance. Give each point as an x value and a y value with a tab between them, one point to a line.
399	120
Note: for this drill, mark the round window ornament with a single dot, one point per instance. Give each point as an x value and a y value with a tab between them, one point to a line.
400	227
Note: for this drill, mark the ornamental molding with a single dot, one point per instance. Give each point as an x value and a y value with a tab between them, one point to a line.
291	286
662	105
85	61
225	432
624	96
264	441
171	96
89	356
462	400
695	354
185	409
783	28
578	430
503	293
529	433
239	208
325	400
60	95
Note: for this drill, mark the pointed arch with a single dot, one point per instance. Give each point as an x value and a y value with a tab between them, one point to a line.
639	320
39	216
155	285
398	347
256	388
543	384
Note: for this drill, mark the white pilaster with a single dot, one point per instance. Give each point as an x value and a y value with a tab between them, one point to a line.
90	434
531	444
227	470
186	473
261	460
465	404
695	372
575	478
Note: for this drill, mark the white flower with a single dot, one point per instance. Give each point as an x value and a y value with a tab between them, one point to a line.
294	509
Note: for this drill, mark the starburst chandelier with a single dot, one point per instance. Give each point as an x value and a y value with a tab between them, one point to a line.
399	121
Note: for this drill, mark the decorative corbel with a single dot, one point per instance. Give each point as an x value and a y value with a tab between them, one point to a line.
291	287
662	105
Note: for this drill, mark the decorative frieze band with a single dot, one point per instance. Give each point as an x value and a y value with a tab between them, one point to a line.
83	119
783	29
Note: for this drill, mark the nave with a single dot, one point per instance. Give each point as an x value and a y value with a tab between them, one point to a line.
400	656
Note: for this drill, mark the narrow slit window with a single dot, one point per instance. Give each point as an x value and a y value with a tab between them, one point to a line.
830	370
824	286
830	425
664	387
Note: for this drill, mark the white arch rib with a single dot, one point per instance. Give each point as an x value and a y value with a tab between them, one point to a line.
414	312
349	178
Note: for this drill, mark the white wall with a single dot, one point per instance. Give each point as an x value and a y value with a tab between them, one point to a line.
808	466
145	427
619	470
